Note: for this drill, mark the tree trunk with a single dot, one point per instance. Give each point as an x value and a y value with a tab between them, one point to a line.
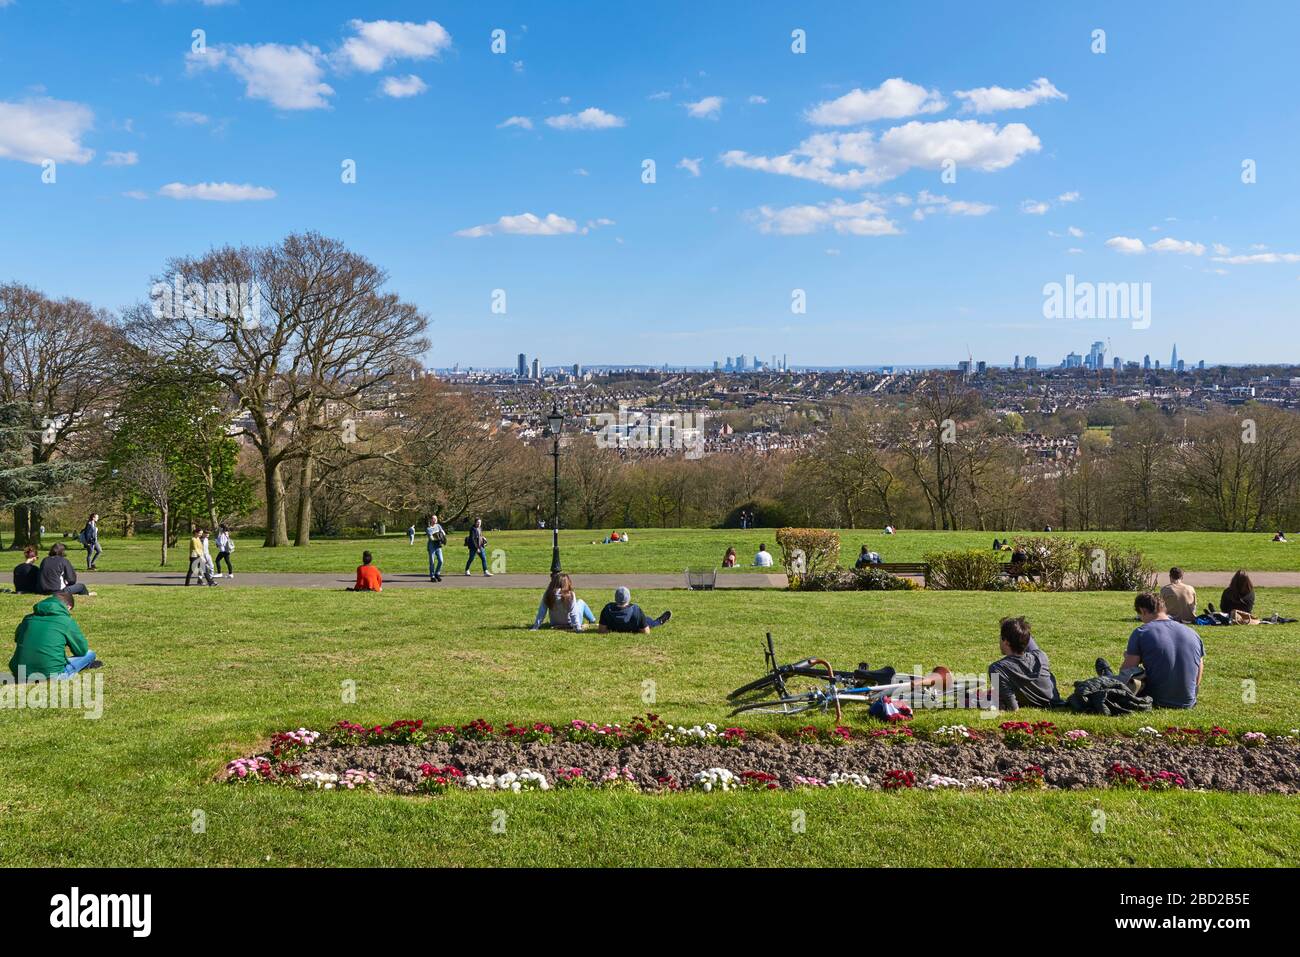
164	535
306	473
277	526
26	526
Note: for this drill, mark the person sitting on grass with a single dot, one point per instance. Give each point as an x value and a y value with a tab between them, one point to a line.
729	560
1023	675
1164	659
623	617
43	636
612	538
1280	536
1179	597
763	559
368	576
1238	596
565	609
58	575
27	576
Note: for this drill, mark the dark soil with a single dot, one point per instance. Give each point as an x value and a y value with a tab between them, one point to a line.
1273	768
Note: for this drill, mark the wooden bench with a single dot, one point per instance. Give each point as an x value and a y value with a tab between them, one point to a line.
908	569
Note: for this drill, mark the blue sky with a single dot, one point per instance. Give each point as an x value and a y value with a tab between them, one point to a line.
820	171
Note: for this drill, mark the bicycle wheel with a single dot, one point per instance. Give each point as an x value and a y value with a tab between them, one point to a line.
796	704
789	676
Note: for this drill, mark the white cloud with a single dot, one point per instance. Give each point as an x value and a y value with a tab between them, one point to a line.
379	41
523	122
661	95
580	172
856	159
989	99
42	129
1075	231
757	100
691	166
1220	249
127	158
1180	246
1126	245
709	108
865	218
1256	259
137	194
525	224
893	99
1070	197
1074	251
1034	207
927	204
596	224
289	77
217	192
188	118
400	87
589	119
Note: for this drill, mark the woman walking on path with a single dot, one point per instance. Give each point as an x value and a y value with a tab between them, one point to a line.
477	545
225	545
437	537
200	561
90	539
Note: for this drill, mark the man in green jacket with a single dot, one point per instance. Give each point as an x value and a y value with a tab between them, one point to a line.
42	637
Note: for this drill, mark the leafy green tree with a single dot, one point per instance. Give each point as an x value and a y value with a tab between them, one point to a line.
31	488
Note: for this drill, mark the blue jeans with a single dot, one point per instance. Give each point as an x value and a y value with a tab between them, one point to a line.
92	554
75	664
482	556
435	560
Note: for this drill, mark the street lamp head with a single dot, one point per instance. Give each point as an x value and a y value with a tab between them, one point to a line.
555	419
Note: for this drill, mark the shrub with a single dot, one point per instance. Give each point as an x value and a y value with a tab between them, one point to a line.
972	570
855	579
805	551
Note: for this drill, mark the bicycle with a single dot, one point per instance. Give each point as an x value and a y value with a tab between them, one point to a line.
830	687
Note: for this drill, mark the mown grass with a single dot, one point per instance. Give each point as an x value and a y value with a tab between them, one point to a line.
672	550
195	678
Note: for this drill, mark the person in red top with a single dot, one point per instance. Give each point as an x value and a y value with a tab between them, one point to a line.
368	576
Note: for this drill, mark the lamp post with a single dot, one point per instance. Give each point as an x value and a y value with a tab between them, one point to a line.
556	422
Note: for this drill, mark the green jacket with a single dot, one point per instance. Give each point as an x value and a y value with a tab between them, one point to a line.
42	636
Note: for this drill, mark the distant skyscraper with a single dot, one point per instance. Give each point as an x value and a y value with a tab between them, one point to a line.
730	365
1073	361
1201	364
1097	356
1179	366
981	367
1031	363
741	362
1146	362
715	365
537	368
521	370
1173	358
1016	363
1117	363
577	371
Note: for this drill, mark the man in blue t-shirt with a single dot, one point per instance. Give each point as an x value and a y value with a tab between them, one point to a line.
621	615
1170	655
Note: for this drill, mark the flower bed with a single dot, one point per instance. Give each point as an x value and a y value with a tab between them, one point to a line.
649	755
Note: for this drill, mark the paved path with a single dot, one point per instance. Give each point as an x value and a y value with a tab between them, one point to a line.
1209	580
324	580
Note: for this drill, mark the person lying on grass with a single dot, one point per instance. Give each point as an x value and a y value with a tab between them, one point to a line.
1023	675
1164	659
622	616
566	610
43	636
368	576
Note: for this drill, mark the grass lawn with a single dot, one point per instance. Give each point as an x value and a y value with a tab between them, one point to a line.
672	550
198	677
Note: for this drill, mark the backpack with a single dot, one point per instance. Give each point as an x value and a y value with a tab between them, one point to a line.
439	537
84	536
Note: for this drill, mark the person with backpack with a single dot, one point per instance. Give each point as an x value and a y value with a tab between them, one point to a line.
90	541
476	542
225	545
437	538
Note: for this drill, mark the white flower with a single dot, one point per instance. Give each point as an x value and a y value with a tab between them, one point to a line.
848	779
720	778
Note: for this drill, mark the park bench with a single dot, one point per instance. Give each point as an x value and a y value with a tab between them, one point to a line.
910	569
701	579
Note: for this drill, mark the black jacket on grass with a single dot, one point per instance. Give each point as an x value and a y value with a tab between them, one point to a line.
56	574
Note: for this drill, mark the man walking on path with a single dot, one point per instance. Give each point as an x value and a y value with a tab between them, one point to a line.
476	542
437	538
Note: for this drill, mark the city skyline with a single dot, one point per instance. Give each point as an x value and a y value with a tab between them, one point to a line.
803	197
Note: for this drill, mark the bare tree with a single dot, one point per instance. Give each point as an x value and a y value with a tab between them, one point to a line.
150	474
